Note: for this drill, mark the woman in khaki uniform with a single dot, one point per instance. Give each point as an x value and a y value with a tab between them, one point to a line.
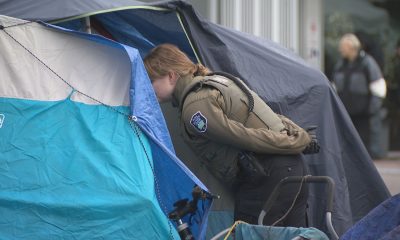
239	138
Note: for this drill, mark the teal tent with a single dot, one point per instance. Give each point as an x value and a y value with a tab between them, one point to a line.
84	149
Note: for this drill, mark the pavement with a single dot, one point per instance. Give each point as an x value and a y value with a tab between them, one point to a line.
389	168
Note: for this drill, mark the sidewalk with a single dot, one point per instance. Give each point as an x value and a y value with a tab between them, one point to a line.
389	168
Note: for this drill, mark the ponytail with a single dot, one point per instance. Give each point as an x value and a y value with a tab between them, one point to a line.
200	70
167	57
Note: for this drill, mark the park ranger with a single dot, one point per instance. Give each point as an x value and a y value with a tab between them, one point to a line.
238	137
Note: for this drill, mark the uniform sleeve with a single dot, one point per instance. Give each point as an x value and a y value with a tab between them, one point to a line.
205	117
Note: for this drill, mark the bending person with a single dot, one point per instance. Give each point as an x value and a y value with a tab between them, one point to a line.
237	136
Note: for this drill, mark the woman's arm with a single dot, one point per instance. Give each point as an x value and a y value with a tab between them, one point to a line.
205	118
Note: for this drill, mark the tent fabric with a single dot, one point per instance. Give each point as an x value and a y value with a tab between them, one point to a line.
72	164
383	222
256	232
140	31
292	88
143	24
83	190
95	72
39	10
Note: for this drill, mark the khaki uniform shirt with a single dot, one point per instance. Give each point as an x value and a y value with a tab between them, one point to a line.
217	135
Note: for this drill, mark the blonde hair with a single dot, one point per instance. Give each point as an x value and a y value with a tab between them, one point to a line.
352	39
167	57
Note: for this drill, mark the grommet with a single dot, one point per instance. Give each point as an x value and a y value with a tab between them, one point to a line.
133	118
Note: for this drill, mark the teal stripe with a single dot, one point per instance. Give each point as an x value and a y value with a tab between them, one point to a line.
74	171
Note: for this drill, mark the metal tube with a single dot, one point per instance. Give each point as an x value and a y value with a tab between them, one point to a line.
307	179
330	226
220	234
88	28
261	217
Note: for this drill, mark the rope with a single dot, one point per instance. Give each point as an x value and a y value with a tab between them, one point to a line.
15	25
233	228
62	79
137	131
280	219
289	210
293	202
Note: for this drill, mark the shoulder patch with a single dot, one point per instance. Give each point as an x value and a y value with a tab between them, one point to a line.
199	122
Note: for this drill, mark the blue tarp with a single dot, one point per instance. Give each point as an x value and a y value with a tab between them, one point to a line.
140	31
383	222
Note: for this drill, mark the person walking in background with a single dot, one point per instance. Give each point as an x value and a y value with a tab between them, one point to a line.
362	89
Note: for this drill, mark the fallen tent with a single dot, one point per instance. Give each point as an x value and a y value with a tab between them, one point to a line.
281	78
84	149
382	222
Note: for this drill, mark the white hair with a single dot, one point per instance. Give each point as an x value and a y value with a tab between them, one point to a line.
352	39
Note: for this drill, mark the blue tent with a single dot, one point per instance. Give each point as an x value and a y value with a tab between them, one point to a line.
84	149
280	77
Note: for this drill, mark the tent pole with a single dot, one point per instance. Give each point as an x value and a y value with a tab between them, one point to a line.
88	28
183	23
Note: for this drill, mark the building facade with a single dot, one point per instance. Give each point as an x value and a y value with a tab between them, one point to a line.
295	24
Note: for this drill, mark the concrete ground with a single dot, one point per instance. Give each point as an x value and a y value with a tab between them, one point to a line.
389	168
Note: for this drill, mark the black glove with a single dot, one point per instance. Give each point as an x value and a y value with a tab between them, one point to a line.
313	146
